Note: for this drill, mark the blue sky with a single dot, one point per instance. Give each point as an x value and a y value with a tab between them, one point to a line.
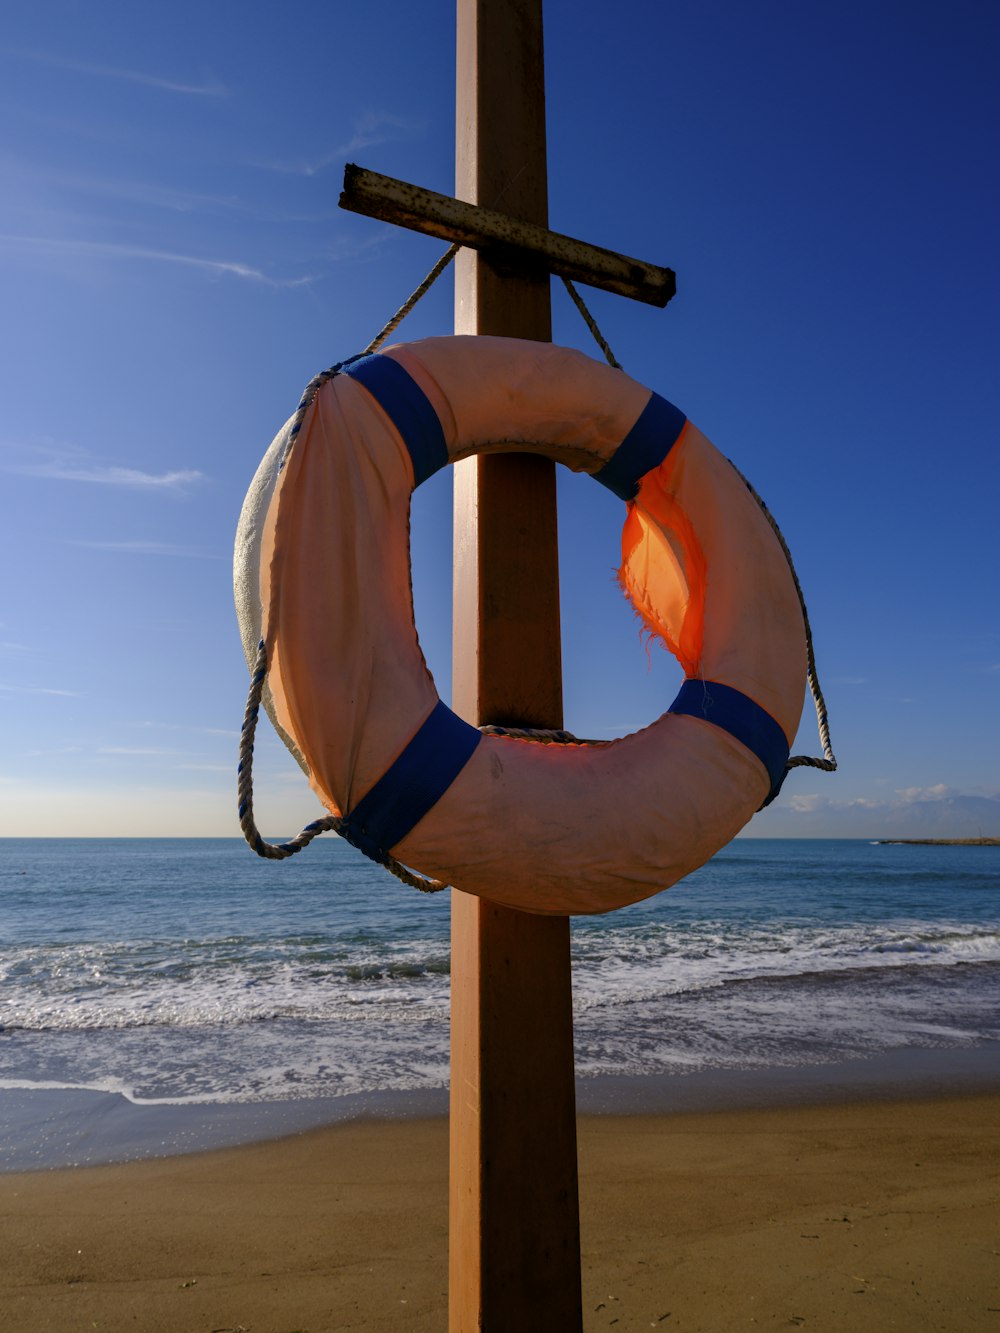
175	268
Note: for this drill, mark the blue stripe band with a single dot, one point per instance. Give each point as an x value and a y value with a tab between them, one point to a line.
734	712
412	785
643	448
408	408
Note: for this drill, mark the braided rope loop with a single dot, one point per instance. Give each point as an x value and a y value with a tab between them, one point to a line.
273	851
828	764
280	851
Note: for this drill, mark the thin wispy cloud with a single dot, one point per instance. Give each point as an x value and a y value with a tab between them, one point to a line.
153	548
174	198
52	752
371	129
179	765
135	751
292	775
69	246
206	88
353	248
377	127
127	477
38	689
50	460
29	178
229	732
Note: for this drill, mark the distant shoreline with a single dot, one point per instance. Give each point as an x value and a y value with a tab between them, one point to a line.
938	842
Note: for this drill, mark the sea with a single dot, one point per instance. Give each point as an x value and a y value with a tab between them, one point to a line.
163	995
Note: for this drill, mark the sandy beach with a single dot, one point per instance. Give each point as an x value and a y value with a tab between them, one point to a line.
863	1216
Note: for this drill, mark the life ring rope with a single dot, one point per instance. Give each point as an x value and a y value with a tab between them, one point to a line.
280	851
444	743
436	272
828	763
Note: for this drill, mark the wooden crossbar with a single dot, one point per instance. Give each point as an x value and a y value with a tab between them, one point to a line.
525	244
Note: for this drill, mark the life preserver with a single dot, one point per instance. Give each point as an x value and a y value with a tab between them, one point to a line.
323	576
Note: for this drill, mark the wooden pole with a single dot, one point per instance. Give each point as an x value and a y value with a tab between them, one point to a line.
514	1248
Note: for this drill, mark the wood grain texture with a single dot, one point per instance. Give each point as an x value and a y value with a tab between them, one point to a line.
514	1248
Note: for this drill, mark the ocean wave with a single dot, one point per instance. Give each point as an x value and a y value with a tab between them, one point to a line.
233	982
743	1025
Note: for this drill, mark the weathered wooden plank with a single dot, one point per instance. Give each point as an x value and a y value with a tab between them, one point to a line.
514	1217
511	241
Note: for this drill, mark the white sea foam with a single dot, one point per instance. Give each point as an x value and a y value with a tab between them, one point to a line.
229	982
668	962
744	1024
167	975
107	1088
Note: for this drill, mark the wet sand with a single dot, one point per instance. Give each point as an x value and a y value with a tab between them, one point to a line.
866	1215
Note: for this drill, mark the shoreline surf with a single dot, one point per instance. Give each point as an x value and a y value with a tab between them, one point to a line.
56	1128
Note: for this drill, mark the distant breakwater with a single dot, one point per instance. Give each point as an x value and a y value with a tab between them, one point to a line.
938	842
